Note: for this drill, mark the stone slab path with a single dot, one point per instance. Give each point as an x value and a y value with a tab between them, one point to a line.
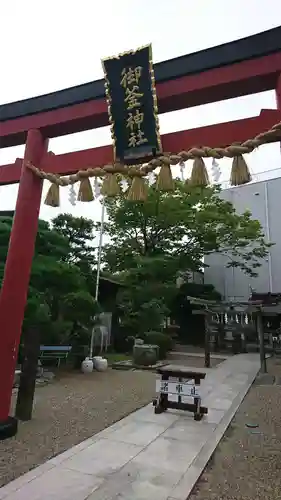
144	456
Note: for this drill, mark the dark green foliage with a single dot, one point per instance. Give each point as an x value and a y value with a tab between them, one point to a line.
191	327
152	243
144	355
78	232
164	342
59	303
123	340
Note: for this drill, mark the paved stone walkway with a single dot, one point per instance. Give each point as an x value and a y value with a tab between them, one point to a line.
144	456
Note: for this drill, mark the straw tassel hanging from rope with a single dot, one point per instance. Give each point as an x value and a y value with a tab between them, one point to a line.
165	180
110	186
85	192
53	195
138	189
240	173
199	175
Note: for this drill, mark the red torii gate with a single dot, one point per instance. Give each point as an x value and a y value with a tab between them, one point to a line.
244	67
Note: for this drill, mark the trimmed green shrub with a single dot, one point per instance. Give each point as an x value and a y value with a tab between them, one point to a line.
165	342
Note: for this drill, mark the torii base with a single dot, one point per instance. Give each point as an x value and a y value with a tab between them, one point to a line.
8	428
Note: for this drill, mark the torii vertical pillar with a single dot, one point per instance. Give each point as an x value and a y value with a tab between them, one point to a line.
17	274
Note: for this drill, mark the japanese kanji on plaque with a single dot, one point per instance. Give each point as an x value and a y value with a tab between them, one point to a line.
185	388
132	105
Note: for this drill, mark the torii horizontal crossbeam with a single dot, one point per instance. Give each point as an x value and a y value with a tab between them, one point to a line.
221	134
243	78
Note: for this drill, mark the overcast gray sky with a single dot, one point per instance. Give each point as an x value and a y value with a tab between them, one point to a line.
47	46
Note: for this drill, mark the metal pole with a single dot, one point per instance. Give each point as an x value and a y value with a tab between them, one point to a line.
182	165
261	341
99	251
98	273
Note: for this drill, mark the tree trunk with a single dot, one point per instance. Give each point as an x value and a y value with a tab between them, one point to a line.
207	342
26	390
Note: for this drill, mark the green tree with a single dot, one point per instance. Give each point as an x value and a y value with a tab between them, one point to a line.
183	227
59	307
78	231
53	278
151	242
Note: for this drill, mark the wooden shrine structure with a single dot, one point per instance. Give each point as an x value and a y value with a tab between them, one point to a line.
257	309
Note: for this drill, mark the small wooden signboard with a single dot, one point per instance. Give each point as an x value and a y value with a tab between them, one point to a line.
180	382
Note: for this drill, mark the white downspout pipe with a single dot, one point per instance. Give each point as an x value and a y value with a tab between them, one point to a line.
267	228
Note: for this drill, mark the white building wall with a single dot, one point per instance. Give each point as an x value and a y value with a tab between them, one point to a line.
263	199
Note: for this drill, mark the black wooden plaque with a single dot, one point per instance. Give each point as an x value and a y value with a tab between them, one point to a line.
132	105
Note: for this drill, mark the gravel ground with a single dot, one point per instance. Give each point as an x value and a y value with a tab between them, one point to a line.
72	408
69	410
247	463
192	361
